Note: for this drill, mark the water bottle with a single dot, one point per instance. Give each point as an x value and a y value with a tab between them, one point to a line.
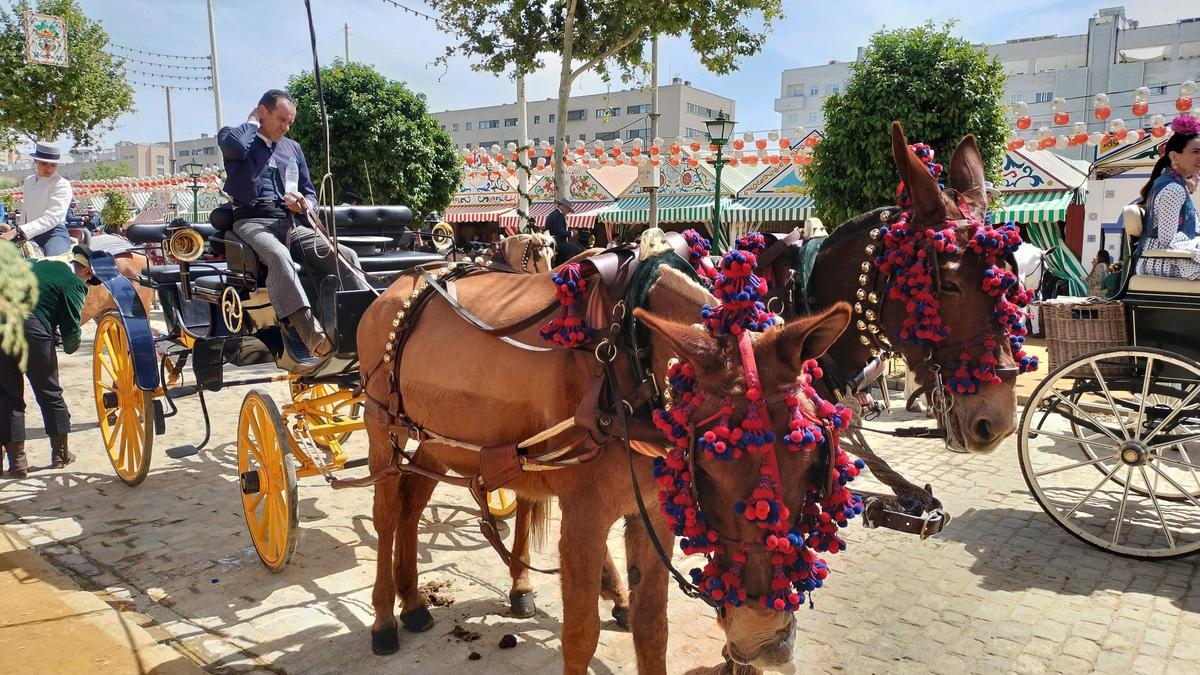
291	177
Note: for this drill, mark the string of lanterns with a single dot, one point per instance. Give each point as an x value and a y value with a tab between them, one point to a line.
773	149
1117	130
87	188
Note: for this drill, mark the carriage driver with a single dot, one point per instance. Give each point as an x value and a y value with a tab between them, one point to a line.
257	155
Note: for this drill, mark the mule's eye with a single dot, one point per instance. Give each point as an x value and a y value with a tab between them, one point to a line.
950	287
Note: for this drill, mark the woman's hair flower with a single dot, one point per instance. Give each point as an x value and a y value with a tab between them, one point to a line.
1186	124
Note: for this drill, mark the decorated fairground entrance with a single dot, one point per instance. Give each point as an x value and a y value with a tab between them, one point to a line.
151	200
590	190
476	209
1042	193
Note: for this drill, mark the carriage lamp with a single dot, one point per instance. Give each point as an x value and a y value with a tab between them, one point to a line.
719	132
194	169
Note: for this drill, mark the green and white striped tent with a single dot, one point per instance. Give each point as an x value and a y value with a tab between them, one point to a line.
671	209
767	213
1046	236
1035	207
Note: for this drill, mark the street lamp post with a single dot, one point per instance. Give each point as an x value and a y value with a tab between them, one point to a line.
194	170
719	131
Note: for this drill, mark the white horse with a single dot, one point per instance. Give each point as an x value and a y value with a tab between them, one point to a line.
1031	264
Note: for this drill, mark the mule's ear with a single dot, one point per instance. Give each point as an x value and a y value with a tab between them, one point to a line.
922	188
808	337
690	343
966	175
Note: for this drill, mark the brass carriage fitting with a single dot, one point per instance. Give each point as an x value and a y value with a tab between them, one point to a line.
407	304
861	294
866	266
396	322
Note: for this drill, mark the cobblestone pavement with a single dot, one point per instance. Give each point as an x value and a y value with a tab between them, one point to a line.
1002	589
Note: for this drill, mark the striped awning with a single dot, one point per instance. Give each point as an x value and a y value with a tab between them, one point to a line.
791	209
140	199
476	213
584	216
538	211
671	209
1034	207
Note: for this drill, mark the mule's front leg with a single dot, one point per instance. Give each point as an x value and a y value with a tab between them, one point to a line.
648	591
582	550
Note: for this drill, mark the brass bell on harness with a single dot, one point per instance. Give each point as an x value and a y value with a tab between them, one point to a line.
861	294
870	249
392	335
873	297
875	234
866	266
863	280
387	358
873	329
858	308
870	315
860	324
885	216
864	340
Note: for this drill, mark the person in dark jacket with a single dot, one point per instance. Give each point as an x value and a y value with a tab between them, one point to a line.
556	225
61	291
257	157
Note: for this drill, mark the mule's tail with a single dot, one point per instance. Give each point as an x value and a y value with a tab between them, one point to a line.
539	522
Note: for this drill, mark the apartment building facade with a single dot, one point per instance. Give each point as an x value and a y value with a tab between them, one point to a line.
605	117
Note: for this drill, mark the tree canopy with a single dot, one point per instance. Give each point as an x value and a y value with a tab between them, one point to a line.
45	102
115	212
383	141
938	86
513	37
101	170
18	296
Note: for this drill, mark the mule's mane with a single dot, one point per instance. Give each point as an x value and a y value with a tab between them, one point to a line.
856	226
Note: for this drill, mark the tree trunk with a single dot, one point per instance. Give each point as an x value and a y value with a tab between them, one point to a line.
565	78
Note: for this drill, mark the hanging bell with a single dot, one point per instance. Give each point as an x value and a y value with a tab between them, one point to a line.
858	308
861	294
874	234
870	315
873	297
863	280
864	340
865	267
870	249
873	329
885	216
860	324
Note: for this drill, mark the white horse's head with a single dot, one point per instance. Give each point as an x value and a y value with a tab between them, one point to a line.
1031	263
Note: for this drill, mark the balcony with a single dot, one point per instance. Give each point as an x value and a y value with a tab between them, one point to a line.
790	103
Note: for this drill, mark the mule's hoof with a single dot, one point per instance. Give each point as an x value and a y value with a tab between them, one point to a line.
521	604
417	621
385	641
621	616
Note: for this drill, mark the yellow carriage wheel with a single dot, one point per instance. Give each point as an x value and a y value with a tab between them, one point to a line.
502	503
124	412
343	408
267	480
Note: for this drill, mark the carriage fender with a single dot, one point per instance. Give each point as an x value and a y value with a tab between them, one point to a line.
133	319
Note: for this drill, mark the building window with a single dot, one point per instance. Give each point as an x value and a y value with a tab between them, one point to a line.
582	137
551	118
510	122
608	135
470	145
601	113
812	117
183	153
694	109
489	144
792	119
468	127
636	133
537	119
454	126
568	139
1016	98
1158	88
489	124
643	109
814	91
210	150
795	90
831	89
443	127
1043	97
160	160
160	171
694	133
551	141
576	115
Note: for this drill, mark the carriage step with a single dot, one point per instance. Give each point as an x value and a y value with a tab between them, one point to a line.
355	463
183	391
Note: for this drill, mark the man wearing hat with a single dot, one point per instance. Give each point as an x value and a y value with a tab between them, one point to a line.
556	225
61	291
47	198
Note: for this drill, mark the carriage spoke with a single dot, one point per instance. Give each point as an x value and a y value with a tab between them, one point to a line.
1160	473
1111	403
1174	412
1157	510
1141	414
1178	441
1088	462
1088	496
1121	508
1112	445
1086	416
1192	471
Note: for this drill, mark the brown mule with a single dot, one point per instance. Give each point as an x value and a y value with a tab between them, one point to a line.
527	392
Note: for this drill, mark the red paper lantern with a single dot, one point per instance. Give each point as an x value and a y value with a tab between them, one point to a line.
635	151
752	160
761	144
1141	108
1158	132
1080	138
1103	112
811	141
784	143
738	144
1120	134
692	161
1061	118
732	161
1024	122
695	146
654	151
674	161
785	159
1183	103
674	149
655	162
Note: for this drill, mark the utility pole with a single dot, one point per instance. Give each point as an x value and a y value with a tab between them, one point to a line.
170	131
654	122
212	46
522	153
346	30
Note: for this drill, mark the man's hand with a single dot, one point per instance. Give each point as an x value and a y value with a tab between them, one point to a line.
295	202
1192	182
9	235
253	117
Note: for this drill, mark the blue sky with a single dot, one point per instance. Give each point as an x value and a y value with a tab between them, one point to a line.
261	43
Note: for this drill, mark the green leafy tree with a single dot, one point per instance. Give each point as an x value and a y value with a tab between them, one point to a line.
512	37
9	202
46	102
102	170
115	212
18	296
379	133
939	86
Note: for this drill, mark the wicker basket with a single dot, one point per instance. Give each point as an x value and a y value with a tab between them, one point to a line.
1076	326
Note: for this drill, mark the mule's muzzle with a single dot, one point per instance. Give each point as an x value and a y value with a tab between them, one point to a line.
772	652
